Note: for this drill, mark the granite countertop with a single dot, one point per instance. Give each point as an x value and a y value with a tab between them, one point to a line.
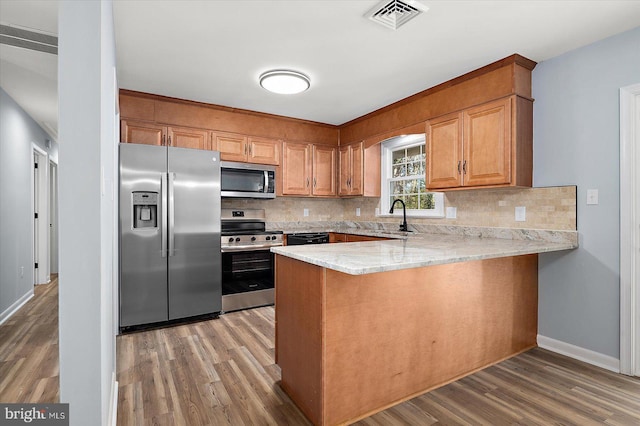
414	250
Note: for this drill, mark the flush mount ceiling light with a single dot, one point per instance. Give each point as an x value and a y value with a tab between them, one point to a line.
285	82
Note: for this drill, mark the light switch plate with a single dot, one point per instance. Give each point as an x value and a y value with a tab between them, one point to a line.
305	212
592	196
452	212
521	214
357	211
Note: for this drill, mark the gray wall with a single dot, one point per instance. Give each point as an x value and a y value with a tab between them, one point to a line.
87	105
576	141
17	132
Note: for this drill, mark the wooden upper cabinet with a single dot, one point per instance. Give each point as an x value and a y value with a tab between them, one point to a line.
308	169
296	169
351	169
489	145
142	132
324	170
157	134
246	149
444	151
184	137
264	151
232	147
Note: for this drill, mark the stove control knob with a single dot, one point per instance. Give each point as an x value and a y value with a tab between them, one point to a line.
230	240
268	238
237	239
253	238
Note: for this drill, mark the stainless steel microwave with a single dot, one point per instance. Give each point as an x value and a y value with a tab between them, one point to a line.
244	180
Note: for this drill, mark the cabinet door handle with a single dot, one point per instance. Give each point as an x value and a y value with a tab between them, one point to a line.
249	149
459	165
314	182
169	138
464	167
307	182
162	141
245	149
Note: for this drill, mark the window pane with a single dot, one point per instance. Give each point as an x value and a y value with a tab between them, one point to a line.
396	188
414	154
411	186
399	156
399	170
415	168
411	201
427	201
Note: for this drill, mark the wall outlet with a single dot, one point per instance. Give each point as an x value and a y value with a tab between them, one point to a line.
592	196
521	214
452	212
305	212
377	211
357	211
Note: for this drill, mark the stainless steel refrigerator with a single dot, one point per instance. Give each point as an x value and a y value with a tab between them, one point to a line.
170	264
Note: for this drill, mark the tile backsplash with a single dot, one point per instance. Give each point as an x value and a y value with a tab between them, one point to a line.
552	208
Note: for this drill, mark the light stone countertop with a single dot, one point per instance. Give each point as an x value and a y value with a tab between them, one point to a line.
420	250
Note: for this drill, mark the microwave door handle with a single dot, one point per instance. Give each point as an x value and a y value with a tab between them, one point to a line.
266	182
163	216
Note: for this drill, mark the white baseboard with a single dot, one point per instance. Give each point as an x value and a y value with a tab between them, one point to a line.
17	305
113	410
595	358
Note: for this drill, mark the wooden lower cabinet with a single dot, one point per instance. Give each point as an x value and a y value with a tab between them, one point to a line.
351	345
308	169
335	237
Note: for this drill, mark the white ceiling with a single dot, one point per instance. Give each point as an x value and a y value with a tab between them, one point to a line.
213	51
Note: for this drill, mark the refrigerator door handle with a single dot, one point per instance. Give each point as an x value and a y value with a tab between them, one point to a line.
163	223
171	215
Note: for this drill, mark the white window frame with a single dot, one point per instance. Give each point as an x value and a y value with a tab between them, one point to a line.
387	148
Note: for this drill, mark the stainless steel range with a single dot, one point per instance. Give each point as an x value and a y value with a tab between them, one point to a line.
247	263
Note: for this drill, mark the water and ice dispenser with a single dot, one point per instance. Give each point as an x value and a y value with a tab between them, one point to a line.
145	209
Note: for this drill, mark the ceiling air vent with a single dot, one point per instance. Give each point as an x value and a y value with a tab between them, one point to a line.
395	13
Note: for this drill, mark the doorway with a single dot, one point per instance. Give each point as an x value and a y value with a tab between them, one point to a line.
40	210
630	230
53	218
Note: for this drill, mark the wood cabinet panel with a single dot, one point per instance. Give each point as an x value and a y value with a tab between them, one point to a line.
324	169
351	170
183	137
264	151
142	132
444	151
232	147
296	169
487	144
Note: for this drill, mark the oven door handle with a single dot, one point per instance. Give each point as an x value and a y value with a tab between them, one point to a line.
247	248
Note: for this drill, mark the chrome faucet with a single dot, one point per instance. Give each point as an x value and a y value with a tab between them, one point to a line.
403	227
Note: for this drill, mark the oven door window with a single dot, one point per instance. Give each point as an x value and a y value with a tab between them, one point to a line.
247	271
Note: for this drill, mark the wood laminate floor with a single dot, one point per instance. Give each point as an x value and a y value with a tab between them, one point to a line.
29	349
222	372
